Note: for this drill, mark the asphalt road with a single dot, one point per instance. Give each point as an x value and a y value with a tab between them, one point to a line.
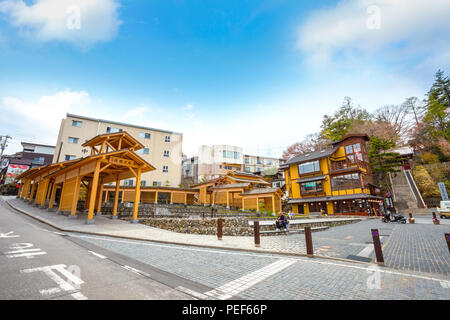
112	268
37	262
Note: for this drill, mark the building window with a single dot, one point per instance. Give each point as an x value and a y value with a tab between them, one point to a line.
347	181
128	183
76	123
311	187
144	135
231	154
309	167
143	183
69	157
353	152
157	183
165	169
73	140
247	160
247	169
113	130
259	169
258	161
166	153
143	151
38	160
167	139
269	162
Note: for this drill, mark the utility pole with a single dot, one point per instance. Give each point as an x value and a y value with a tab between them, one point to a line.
3	144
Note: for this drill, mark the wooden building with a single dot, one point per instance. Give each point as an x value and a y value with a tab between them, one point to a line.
240	190
337	180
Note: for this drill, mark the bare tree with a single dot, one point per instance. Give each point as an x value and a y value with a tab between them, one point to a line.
312	142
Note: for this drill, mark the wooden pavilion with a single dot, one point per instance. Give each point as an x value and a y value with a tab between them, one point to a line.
112	159
240	190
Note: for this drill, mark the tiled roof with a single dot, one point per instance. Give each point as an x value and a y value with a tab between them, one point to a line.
261	191
315	178
311	156
232	185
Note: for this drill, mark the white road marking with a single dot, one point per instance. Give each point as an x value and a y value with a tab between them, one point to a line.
223	251
8	235
58	233
24	250
136	271
234	287
72	283
97	254
367	250
190	292
79	296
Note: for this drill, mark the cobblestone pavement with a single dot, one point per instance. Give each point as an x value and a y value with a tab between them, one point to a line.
303	278
418	247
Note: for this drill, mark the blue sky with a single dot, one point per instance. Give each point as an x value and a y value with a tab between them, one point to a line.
259	74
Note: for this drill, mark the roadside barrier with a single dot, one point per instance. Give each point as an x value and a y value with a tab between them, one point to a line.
219	229
256	233
377	247
309	243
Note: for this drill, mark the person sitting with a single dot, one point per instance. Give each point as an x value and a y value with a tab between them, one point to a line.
281	222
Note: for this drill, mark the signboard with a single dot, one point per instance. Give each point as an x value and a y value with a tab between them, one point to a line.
443	191
4	163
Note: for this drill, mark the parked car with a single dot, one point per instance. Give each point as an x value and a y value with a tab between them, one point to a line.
444	209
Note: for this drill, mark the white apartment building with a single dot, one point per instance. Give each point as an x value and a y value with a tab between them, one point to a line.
162	148
214	161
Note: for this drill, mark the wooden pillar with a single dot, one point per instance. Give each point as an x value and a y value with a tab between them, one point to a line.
52	196
156	197
273	204
76	194
243	208
116	198
228	200
92	193
88	195
257	204
137	196
185	198
171	197
99	199
61	196
106	195
30	197
44	192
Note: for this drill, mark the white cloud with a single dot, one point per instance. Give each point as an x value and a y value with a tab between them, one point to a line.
81	22
39	121
415	26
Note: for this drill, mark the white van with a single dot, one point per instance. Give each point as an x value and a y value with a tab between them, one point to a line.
444	209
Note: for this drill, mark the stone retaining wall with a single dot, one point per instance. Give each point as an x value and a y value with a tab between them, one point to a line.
235	226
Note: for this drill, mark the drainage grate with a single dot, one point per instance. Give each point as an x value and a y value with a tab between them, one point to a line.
358	258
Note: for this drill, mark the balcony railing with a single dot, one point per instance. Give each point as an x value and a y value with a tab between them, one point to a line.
341	165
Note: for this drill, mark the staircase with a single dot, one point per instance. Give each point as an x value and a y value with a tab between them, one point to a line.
406	195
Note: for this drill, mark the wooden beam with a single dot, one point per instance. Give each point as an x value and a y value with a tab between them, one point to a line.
105	167
134	172
52	196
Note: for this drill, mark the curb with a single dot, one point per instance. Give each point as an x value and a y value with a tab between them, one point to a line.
186	244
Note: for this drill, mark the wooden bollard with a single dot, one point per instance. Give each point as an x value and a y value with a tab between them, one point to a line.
256	233
447	238
309	244
219	229
377	246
